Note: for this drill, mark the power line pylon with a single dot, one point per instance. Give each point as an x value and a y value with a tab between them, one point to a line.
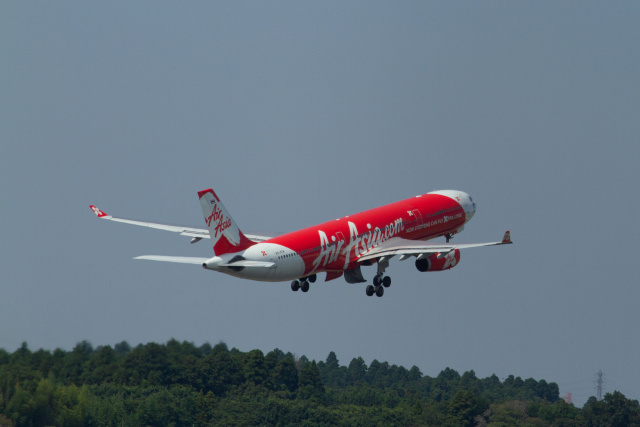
599	381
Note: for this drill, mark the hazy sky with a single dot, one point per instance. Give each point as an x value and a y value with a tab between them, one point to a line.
300	112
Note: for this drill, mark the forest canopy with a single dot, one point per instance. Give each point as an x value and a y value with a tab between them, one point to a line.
179	383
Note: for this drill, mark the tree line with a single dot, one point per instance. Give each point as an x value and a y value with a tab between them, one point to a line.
178	383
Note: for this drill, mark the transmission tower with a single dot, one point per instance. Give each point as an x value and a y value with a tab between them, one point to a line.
599	381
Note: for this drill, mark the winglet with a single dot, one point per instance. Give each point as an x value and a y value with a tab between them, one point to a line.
507	237
98	212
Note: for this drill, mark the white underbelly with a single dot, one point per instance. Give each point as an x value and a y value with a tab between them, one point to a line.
288	265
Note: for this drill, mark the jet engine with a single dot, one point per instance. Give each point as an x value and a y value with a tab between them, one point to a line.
438	262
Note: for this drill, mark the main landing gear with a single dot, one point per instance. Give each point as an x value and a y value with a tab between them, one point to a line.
379	283
303	283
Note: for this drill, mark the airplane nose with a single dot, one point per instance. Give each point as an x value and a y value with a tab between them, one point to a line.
470	208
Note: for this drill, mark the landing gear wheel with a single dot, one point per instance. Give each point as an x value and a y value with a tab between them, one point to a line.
312	278
304	286
379	291
376	280
386	282
370	290
295	285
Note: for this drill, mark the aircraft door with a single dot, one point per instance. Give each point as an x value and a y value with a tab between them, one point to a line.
339	244
417	218
271	256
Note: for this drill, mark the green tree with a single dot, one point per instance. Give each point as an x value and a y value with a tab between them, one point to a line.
205	349
5	422
183	358
356	371
285	374
614	410
180	384
415	374
20	408
463	408
74	362
71	405
219	373
309	379
331	372
445	384
122	348
43	403
254	368
145	363
101	366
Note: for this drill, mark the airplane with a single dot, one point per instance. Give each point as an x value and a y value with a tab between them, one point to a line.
338	248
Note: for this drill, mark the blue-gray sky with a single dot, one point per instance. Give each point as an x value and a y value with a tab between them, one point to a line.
296	113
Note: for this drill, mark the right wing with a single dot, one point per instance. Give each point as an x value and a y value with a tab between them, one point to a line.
406	248
197	234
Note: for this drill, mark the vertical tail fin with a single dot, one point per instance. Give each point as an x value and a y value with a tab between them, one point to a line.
226	237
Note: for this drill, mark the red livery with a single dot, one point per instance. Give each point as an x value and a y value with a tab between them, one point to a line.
339	247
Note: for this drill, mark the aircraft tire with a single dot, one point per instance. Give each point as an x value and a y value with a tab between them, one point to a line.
295	285
312	278
370	290
304	286
386	282
376	280
379	291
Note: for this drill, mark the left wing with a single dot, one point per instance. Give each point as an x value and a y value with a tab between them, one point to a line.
406	248
197	234
196	260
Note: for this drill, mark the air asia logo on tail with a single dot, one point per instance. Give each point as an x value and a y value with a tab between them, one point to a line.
222	223
221	227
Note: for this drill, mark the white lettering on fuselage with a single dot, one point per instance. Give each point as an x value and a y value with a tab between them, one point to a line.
329	252
451	218
358	243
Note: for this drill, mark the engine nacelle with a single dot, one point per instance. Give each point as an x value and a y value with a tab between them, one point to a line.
439	262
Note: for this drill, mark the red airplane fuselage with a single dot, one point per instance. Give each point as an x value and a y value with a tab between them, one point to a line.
335	246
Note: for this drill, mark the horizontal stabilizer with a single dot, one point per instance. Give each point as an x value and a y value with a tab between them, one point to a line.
249	264
178	259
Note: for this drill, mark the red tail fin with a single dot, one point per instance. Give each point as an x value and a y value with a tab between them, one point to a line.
226	237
